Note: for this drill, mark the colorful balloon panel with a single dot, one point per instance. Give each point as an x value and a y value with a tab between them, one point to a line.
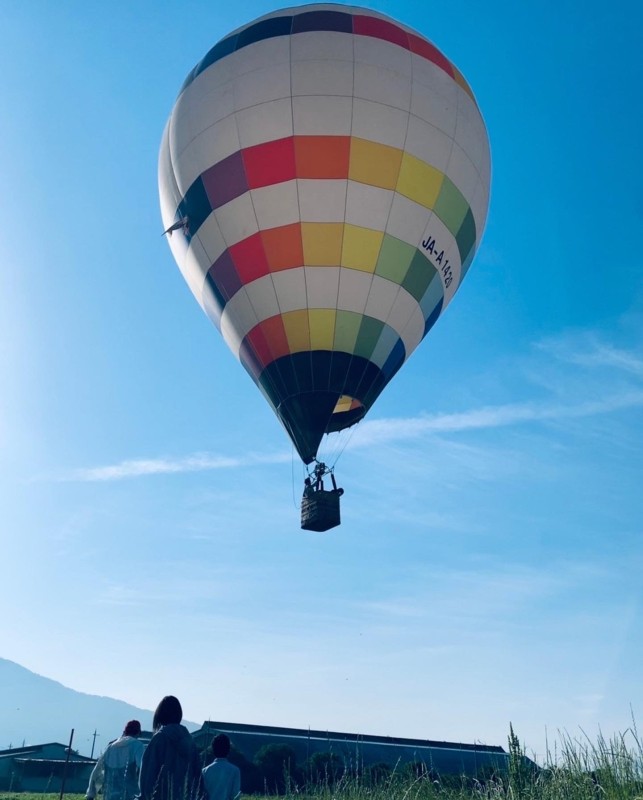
333	168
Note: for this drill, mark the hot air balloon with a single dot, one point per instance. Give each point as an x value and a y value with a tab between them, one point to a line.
324	182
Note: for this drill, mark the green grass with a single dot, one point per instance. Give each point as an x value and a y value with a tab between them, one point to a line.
575	769
43	796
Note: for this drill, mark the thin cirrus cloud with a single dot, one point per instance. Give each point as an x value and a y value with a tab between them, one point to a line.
388	430
375	432
583	350
197	462
587	350
606	356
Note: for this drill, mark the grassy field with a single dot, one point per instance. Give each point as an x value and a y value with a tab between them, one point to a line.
576	769
43	796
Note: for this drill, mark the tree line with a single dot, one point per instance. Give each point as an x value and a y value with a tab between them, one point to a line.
275	770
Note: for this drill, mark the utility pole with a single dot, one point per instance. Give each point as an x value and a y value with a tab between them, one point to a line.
62	783
93	743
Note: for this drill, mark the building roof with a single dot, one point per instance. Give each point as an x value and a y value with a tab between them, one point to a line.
31	748
24	754
361	750
308	733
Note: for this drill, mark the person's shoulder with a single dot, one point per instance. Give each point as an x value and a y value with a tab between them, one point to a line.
210	768
158	738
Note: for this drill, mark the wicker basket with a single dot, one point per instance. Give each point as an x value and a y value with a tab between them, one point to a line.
320	510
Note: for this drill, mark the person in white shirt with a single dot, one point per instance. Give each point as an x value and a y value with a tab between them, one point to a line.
116	771
222	779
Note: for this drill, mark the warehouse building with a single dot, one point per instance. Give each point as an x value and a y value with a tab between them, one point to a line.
40	768
357	751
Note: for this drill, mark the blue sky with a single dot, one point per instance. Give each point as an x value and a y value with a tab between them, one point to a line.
488	566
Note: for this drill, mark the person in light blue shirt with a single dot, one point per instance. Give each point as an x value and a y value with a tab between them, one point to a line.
222	779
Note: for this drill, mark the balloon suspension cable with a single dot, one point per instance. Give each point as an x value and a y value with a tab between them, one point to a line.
334	445
316	476
342	446
292	474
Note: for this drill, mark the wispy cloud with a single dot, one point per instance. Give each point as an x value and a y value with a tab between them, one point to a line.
588	350
197	462
475	602
370	433
387	430
584	350
606	356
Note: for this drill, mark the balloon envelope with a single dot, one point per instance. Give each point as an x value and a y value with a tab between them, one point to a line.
331	169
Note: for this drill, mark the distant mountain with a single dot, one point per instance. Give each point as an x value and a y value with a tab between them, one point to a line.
35	709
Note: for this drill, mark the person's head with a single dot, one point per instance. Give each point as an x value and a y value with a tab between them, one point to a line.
220	746
167	712
133	728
